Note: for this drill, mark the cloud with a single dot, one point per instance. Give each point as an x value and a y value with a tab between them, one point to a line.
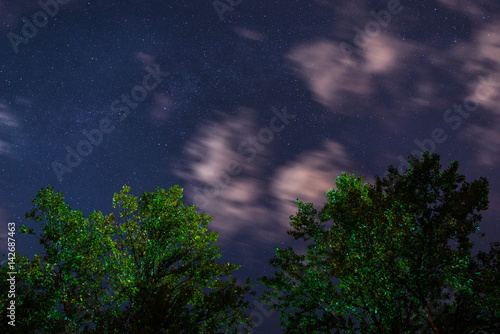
470	8
310	176
215	144
489	141
256	202
482	57
9	129
327	72
383	54
250	34
234	202
7	120
348	85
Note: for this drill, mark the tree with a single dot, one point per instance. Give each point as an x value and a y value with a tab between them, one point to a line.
478	310
153	270
380	257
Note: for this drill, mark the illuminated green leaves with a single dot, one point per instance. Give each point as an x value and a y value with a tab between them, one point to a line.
379	253
153	269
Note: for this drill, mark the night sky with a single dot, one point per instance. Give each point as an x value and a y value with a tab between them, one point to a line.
247	105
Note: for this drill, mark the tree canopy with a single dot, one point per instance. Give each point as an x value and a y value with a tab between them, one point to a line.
393	257
152	270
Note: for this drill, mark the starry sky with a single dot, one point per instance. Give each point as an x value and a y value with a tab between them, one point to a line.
247	105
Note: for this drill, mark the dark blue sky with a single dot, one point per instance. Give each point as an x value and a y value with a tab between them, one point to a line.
274	102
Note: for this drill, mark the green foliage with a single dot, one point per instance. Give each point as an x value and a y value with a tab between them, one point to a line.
379	257
152	270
